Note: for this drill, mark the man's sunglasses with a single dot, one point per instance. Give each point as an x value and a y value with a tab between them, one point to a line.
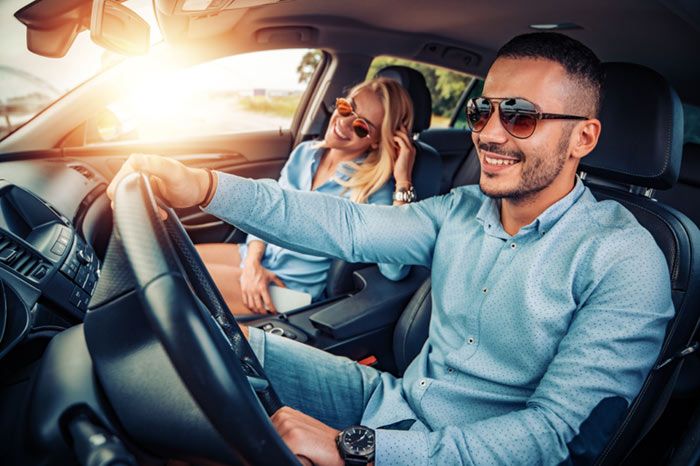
359	124
518	116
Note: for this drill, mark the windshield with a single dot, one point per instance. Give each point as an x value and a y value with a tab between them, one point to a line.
29	83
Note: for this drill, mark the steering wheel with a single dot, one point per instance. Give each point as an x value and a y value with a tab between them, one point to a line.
196	328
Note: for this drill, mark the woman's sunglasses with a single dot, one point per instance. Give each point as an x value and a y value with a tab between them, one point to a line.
359	124
518	116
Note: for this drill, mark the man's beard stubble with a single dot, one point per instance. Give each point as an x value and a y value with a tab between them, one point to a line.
537	173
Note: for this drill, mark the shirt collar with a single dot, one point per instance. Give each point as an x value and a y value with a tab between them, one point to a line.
490	217
343	171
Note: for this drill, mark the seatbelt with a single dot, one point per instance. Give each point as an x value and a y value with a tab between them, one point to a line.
680	354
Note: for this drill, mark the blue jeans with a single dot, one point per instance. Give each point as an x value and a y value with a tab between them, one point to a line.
332	389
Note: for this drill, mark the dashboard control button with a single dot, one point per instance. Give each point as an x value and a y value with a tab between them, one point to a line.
75	295
90	284
84	257
58	248
79	298
81	276
69	269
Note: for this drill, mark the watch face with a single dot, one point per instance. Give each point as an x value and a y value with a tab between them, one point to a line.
358	441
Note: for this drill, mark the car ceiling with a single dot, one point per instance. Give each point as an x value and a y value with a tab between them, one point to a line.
664	35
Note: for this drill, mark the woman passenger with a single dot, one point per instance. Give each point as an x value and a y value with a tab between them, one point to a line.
365	155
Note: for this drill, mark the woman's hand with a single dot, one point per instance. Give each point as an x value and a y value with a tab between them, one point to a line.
255	292
405	156
180	185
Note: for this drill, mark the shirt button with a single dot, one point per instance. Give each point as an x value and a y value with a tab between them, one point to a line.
471	340
512	246
450	370
485	290
422	383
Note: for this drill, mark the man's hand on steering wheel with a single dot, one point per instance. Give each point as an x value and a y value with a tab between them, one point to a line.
179	185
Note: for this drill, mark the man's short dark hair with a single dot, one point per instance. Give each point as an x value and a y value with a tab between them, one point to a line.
580	63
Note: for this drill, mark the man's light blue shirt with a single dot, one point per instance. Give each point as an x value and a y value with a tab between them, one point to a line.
308	272
538	342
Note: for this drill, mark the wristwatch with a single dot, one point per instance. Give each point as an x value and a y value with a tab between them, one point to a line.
356	445
405	194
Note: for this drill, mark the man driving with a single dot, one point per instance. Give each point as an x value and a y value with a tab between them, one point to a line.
549	307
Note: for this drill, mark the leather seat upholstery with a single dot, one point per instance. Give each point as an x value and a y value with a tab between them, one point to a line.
454	146
640	150
427	168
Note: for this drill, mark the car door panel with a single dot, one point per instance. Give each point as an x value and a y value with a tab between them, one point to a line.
251	155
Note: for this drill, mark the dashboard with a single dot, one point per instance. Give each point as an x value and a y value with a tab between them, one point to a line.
55	222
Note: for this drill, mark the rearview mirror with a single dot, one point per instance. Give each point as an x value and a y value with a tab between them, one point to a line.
52	25
119	29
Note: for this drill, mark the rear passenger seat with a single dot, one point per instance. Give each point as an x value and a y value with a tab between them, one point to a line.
460	165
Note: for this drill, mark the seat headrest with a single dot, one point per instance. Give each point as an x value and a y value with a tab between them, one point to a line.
641	140
414	83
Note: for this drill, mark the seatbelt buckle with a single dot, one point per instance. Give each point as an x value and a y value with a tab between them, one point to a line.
680	355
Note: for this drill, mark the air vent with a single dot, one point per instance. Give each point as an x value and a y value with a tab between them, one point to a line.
83	170
21	260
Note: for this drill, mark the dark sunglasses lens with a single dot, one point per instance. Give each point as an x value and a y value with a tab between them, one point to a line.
361	128
478	113
343	106
519	117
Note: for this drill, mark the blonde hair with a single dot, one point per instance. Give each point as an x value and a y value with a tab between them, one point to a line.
378	167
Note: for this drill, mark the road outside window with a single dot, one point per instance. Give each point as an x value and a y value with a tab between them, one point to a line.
250	92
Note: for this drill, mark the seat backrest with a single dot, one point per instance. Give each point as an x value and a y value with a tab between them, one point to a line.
639	151
453	145
685	194
427	168
684	197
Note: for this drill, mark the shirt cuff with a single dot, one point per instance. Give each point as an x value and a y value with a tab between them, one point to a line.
256	340
400	447
234	197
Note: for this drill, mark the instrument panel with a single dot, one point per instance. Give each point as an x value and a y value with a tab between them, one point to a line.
48	267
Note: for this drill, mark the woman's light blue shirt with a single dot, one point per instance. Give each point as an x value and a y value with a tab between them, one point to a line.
304	272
